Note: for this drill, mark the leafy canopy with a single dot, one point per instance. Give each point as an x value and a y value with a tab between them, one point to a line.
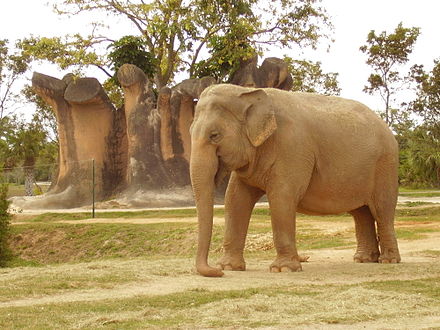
427	102
193	36
385	52
131	49
309	77
12	67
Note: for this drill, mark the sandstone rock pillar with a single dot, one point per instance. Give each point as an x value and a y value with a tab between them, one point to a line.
146	169
85	119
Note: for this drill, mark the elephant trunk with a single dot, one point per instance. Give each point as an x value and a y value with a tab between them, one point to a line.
203	169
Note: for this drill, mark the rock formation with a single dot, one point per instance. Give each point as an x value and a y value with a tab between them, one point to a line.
273	72
141	150
145	164
85	119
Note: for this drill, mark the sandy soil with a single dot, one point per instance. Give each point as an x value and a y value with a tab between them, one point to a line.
326	267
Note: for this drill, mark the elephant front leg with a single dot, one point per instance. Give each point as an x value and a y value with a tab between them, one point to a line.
239	202
283	219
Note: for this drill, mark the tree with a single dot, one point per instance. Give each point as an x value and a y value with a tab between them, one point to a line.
43	114
421	157
25	145
12	66
427	102
308	77
6	129
385	52
178	34
424	143
127	50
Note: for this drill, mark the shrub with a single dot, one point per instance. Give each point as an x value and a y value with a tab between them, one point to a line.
5	253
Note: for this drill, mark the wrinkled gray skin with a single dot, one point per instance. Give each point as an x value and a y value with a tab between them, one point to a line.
308	153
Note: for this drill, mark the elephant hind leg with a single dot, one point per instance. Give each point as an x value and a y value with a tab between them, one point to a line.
382	207
367	244
389	250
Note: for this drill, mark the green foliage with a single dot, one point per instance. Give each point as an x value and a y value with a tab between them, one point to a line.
12	66
26	142
131	50
423	157
177	33
114	92
385	52
427	102
5	253
70	51
127	50
6	129
227	51
419	151
44	114
308	77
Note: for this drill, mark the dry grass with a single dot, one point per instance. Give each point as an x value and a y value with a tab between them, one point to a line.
162	290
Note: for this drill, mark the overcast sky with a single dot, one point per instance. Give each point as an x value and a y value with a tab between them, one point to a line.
352	19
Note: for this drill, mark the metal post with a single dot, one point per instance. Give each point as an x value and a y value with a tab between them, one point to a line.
93	188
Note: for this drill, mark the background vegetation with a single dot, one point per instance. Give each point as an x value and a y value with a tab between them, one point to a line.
174	39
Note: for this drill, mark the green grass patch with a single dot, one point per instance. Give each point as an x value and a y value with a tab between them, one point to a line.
168	310
322	241
54	243
258	213
421	194
429	253
39	283
413	233
37	243
415	204
147	214
432	211
429	287
44	240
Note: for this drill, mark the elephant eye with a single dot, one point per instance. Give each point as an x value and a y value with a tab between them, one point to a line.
215	136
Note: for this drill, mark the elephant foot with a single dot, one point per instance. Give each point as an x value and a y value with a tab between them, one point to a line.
286	264
366	257
228	262
389	256
304	258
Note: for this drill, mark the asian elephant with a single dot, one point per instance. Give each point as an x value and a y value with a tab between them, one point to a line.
308	153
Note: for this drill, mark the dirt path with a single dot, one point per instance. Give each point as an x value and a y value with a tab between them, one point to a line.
111	207
326	267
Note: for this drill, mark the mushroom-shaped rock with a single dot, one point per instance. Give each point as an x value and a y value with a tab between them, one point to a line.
273	72
85	119
146	169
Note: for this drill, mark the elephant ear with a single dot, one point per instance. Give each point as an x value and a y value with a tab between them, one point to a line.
260	116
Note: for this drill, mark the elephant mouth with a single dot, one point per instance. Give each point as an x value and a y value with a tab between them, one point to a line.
222	172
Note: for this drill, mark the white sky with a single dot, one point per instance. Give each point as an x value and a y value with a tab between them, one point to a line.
352	19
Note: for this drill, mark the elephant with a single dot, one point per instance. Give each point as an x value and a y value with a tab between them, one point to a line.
308	153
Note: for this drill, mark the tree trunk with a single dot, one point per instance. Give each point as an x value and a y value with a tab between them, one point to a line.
29	180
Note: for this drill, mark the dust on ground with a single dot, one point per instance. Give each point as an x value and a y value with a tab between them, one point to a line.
325	268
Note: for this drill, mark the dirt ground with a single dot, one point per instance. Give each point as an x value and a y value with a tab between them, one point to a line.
329	270
326	267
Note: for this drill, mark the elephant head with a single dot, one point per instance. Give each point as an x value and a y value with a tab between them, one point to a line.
230	123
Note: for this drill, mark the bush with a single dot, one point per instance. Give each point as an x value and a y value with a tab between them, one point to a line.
5	253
